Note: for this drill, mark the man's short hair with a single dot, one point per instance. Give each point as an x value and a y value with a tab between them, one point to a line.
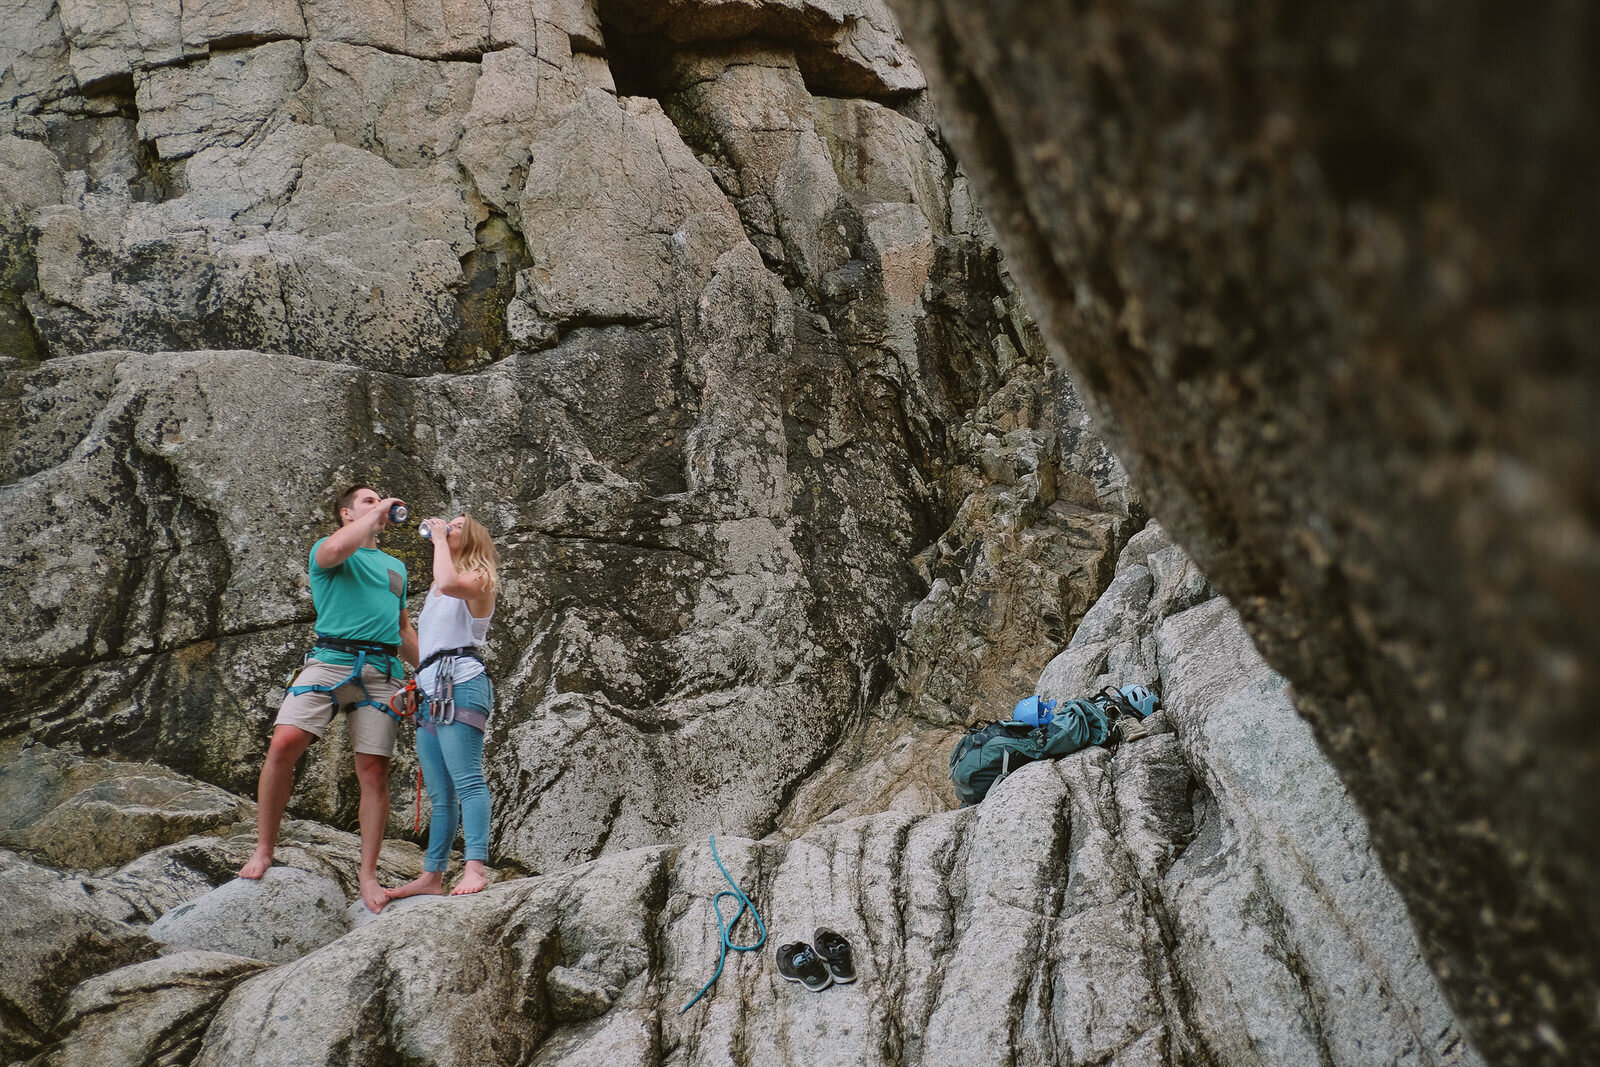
347	498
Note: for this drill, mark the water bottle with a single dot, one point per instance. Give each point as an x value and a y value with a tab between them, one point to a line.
398	513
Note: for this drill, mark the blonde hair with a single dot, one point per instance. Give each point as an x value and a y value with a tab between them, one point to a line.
478	553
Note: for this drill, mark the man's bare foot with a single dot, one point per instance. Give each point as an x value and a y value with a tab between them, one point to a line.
257	866
429	883
373	894
473	880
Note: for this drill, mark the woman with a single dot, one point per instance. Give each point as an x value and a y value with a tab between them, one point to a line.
457	699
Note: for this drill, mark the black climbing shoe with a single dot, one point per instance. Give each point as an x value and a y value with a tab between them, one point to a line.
798	963
835	952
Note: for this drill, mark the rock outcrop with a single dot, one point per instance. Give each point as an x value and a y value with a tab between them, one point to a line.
691	302
1328	278
1204	895
715	344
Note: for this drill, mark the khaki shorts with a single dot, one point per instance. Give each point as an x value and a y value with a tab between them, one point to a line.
372	732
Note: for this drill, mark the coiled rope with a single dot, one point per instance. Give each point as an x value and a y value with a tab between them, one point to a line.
725	926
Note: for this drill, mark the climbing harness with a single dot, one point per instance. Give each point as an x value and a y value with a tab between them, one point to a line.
402	712
725	926
361	650
442	706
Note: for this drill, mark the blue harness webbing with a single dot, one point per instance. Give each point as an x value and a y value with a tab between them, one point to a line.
361	651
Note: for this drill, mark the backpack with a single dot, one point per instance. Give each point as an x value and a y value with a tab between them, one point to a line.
990	752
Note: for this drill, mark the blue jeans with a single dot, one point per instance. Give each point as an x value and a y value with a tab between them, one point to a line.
452	768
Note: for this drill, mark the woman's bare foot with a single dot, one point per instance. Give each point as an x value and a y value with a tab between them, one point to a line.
429	883
257	865
472	880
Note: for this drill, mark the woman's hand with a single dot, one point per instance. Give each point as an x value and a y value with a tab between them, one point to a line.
438	531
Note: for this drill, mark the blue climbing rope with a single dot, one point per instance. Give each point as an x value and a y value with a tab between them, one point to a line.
725	926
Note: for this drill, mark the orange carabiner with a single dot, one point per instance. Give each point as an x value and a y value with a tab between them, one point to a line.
407	695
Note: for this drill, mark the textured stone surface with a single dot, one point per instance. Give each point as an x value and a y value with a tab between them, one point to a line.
1207	894
694	308
1327	277
158	881
151	1012
55	937
278	917
220	100
1204	895
697	361
92	814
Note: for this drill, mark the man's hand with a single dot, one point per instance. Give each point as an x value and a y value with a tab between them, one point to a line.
383	509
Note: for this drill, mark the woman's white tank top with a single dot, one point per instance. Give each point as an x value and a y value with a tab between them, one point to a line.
447	622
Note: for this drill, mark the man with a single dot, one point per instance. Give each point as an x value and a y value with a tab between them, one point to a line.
360	597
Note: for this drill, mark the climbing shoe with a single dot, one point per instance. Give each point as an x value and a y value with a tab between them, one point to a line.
835	952
1130	729
798	962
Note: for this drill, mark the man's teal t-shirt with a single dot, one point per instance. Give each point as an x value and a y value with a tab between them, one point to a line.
359	600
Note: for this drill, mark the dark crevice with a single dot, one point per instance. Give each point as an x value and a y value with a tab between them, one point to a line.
646	727
953	880
1314	1009
233	42
799	777
635	63
490	272
612	814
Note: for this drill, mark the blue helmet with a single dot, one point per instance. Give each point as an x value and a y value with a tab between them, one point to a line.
1143	701
1035	711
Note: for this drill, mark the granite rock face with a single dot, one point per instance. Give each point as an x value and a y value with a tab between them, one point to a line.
56	936
76	813
1328	279
690	302
711	335
151	1012
1205	895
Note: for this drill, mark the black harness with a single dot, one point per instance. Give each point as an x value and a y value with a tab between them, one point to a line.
469	651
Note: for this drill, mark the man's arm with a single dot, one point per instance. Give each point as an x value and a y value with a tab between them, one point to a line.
342	544
408	640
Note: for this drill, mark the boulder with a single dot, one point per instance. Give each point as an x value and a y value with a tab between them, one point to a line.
277	918
159	881
100	813
151	1012
448	968
55	937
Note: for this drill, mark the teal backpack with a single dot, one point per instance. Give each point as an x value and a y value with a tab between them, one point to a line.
1040	730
